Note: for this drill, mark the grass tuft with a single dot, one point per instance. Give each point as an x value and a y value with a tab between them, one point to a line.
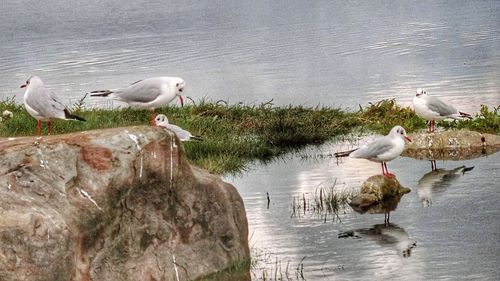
385	114
325	202
485	121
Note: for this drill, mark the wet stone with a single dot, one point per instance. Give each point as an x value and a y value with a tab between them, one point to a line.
379	194
451	145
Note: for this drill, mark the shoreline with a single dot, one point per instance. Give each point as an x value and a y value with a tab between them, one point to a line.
236	135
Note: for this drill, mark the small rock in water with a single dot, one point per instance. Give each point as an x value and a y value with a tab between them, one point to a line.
379	194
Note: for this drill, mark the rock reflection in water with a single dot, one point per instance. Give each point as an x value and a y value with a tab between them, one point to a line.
437	181
385	235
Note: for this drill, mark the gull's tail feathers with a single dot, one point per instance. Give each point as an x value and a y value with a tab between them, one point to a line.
197	138
70	116
465	115
344	153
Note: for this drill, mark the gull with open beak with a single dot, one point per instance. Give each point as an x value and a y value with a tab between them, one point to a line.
149	93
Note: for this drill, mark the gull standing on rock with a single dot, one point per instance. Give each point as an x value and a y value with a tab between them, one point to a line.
162	121
432	109
43	105
382	149
149	93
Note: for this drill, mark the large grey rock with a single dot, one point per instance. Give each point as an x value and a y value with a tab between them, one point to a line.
451	145
116	204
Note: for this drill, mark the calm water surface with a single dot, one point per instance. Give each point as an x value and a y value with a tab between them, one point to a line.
457	235
341	53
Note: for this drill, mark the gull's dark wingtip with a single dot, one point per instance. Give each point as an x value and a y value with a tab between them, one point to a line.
343	153
68	115
100	93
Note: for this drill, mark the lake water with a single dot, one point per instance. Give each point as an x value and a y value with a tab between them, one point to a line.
340	53
451	225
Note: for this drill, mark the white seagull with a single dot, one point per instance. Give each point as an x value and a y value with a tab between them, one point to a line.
149	93
43	105
432	109
382	149
162	121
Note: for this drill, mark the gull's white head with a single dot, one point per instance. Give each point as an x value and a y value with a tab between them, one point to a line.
179	88
161	120
33	81
399	132
421	92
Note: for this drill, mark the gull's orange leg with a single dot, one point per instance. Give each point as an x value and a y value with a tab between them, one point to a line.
153	116
387	174
49	127
39	128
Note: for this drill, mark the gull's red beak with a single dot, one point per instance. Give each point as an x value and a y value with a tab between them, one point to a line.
408	139
182	100
23	86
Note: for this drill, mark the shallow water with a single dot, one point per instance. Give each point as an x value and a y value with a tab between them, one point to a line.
327	52
454	224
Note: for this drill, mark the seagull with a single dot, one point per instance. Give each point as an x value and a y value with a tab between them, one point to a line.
149	93
382	149
432	109
43	105
162	121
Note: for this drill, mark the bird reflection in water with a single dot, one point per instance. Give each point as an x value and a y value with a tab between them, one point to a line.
386	235
437	181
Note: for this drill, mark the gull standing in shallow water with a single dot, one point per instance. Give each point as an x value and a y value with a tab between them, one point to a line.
44	106
149	93
162	121
382	149
432	109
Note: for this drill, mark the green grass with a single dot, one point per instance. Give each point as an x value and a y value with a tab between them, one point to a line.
326	202
236	135
385	114
484	121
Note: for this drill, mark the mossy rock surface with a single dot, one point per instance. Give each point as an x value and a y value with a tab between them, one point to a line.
383	187
379	194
